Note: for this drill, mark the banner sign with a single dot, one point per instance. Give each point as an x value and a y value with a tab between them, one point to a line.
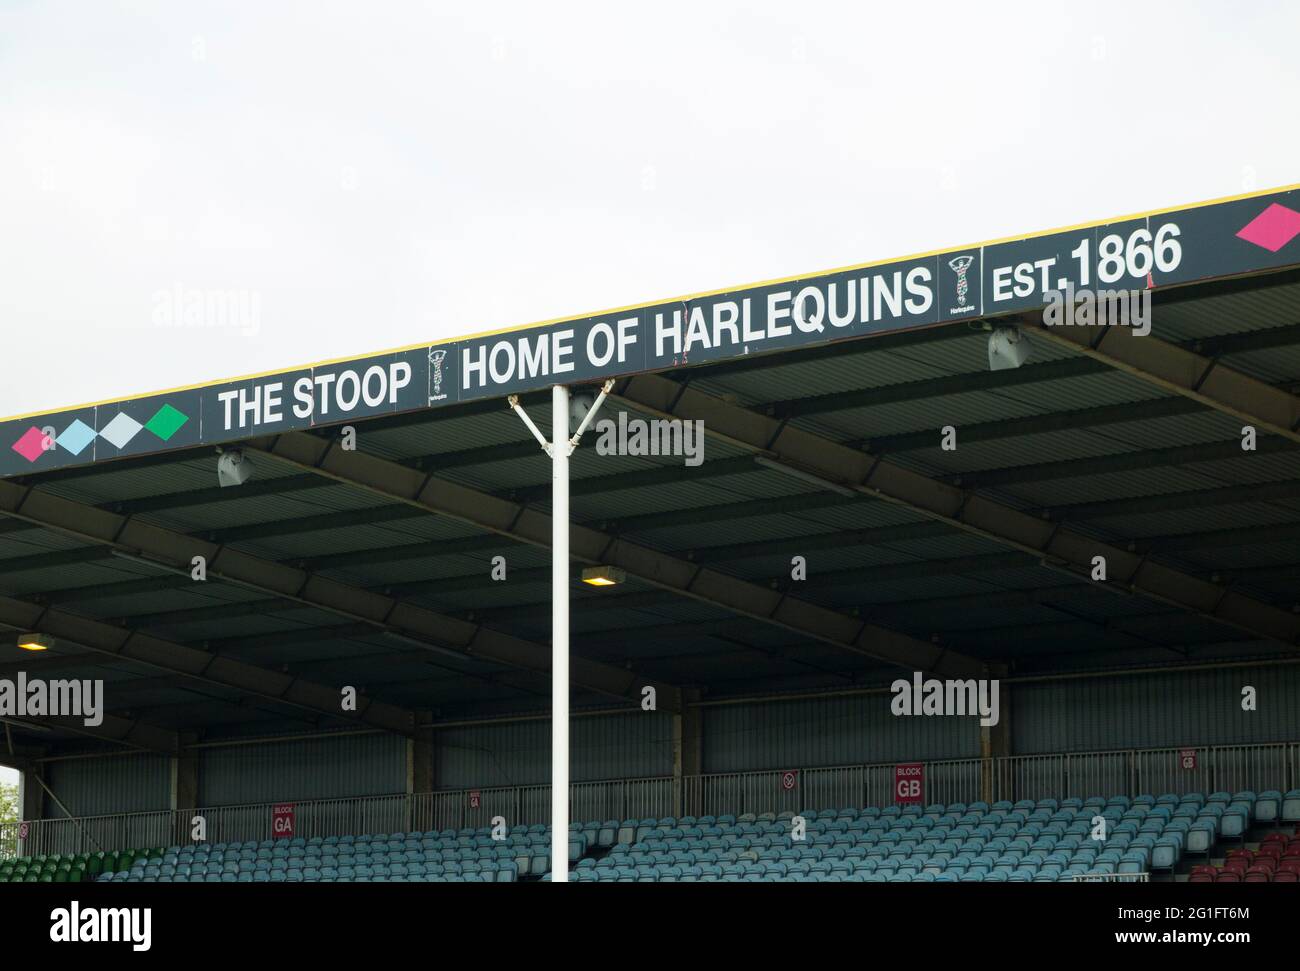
282	821
1228	238
475	799
789	779
1187	758
909	782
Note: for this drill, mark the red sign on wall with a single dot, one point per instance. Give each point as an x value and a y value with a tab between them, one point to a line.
909	782
789	779
1187	758
23	830
475	799
282	820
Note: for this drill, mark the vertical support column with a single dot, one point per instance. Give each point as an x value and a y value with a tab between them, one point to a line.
184	797
559	634
422	759
687	749
30	801
420	775
995	740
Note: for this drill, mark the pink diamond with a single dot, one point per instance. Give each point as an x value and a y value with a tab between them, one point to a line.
32	445
1273	228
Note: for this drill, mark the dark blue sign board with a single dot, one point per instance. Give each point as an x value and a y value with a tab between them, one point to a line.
1251	234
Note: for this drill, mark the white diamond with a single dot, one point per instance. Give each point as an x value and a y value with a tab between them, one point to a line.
120	430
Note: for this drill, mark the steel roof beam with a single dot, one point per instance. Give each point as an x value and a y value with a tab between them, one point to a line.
130	732
892	571
528	524
175	551
966	509
226	672
1181	370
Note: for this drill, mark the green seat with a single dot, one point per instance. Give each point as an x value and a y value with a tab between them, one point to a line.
95	864
76	875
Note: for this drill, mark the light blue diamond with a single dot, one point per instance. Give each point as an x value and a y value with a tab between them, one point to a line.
75	437
120	430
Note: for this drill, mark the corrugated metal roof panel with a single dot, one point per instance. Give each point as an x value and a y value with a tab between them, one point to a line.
1233	313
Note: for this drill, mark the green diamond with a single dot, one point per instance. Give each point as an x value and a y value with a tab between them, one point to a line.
166	422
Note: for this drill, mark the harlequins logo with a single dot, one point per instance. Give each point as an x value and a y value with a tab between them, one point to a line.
959	266
435	363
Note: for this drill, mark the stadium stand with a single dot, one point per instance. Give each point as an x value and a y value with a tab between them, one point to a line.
51	868
1108	559
1044	840
1276	860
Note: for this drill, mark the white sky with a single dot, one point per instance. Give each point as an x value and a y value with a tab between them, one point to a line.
383	173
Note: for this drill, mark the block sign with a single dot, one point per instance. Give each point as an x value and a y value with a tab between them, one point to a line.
23	830
909	782
789	780
475	799
282	820
1187	758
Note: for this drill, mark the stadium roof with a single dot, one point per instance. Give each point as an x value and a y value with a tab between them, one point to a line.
370	567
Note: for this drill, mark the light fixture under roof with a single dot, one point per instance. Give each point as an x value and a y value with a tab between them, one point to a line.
232	468
35	642
603	576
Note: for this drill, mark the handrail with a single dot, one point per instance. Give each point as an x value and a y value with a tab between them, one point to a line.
1016	777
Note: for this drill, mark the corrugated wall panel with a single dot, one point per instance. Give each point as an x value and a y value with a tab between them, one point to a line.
829	731
351	765
95	787
1155	710
606	747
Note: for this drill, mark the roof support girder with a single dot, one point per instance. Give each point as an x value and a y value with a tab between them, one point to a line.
191	662
873	475
527	524
1183	371
175	551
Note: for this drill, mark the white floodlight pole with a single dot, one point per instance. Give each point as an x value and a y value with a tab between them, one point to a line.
560	449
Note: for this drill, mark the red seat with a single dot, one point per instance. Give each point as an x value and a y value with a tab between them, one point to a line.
1256	878
1205	870
1272	850
1286	876
1228	876
1240	854
1206	878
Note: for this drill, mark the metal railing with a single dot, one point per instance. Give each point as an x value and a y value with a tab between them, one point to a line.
1059	776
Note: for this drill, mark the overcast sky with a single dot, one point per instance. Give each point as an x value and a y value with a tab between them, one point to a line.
358	176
